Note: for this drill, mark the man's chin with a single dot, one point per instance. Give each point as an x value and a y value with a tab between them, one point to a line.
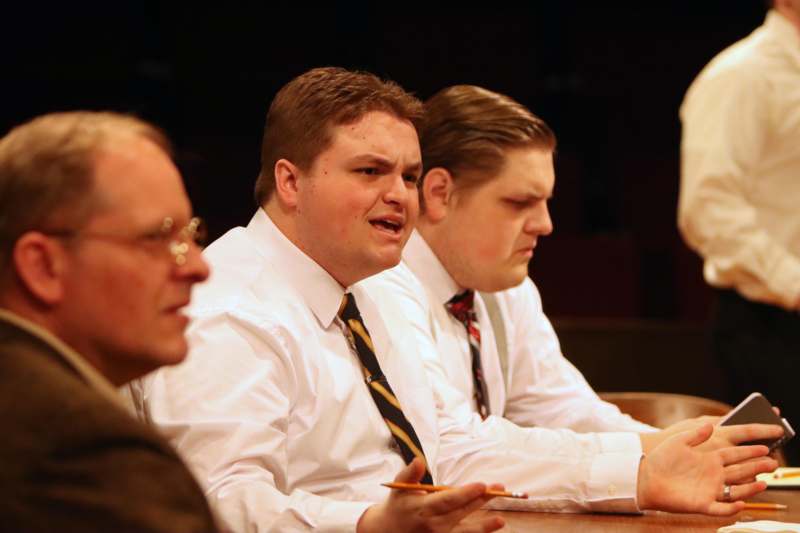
503	281
172	353
389	259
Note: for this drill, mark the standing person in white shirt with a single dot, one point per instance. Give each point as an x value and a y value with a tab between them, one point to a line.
273	408
738	206
488	174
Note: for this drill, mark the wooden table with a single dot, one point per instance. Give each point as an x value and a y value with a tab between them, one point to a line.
650	522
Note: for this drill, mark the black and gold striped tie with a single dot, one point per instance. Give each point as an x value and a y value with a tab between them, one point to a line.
388	405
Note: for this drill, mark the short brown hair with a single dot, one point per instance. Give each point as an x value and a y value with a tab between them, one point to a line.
467	130
46	169
300	118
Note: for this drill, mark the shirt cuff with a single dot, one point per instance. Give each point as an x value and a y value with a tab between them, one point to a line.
620	443
344	518
612	483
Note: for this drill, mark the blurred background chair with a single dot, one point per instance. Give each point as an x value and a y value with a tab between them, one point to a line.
662	409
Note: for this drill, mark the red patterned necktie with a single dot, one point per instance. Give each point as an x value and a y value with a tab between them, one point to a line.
382	393
461	306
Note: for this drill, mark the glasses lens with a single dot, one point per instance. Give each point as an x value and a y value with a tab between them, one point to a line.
197	231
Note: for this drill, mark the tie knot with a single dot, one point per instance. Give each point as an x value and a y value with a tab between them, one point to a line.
461	306
348	308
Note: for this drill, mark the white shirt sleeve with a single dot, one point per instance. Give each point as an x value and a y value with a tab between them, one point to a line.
559	469
544	388
726	130
227	410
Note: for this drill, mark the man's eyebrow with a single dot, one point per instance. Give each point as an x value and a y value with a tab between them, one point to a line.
414	168
374	159
382	161
530	195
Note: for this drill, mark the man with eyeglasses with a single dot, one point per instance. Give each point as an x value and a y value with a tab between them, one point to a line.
97	260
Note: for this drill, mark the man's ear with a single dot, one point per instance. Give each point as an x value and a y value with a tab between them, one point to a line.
437	193
40	263
286	177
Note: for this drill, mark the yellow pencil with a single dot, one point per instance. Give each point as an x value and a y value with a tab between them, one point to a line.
439	488
765	506
781	475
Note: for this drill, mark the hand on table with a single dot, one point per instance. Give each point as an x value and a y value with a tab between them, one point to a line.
411	511
680	476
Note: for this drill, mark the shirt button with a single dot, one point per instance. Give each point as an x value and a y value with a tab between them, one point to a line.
612	490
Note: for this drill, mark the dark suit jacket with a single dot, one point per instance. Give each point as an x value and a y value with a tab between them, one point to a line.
71	460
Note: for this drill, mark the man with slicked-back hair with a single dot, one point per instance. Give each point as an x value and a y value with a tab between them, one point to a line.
488	178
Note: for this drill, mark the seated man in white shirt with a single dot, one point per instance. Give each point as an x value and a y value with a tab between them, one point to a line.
294	405
488	177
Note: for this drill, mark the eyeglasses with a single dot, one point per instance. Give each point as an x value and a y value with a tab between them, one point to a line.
166	240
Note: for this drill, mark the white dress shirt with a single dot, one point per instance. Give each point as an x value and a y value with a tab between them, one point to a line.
739	204
271	412
541	387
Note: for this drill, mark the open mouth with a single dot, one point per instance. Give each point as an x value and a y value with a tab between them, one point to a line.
387	225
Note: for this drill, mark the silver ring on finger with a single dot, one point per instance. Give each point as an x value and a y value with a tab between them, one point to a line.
726	493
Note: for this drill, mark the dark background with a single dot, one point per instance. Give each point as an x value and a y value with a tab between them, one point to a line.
607	76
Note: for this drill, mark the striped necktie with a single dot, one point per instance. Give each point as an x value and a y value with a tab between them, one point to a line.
388	405
461	306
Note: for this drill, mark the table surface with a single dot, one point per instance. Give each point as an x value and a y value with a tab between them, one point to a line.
649	522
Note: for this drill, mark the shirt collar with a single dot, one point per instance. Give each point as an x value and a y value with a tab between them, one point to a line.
85	370
319	290
423	262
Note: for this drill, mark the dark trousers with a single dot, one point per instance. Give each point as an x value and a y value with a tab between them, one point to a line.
758	348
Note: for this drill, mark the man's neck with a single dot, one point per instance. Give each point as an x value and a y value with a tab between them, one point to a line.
433	235
789	14
285	222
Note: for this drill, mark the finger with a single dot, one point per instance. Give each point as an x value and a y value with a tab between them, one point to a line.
460	514
754	459
457	499
777	411
743	472
751	432
697	436
485	525
745	490
412	473
724	509
737	454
